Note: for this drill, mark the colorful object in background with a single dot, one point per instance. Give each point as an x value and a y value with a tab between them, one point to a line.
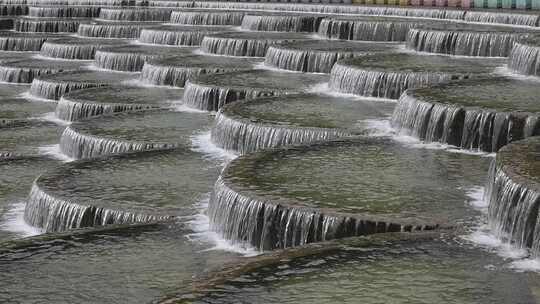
492	4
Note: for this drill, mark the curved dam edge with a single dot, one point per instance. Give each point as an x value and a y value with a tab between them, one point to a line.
74	110
44	88
467	127
78	145
232	132
53	214
514	195
245	218
213	278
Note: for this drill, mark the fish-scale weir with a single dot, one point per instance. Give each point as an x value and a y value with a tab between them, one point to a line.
64	11
24	71
131	58
54	206
524	57
211	92
176	71
207	17
264	150
55	215
48	25
22	42
464	40
125	133
503	18
76	48
92	102
178	34
55	86
280	22
135	14
99	29
250	44
263	123
315	56
389	75
260	200
467	115
367	28
513	194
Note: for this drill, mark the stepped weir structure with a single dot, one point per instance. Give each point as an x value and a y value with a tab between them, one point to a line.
250	151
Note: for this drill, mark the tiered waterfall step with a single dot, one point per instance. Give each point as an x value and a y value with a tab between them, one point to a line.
479	114
213	91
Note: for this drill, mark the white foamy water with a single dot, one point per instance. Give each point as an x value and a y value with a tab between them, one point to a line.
180	107
476	198
54	151
383	128
200	224
13	221
92	67
517	259
263	66
51	116
41	57
505	71
404	49
28	96
203	144
324	89
140	83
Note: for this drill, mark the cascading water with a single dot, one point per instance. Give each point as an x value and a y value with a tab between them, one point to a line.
207	17
244	44
20	43
318	56
64	11
503	18
135	14
235	47
111	30
388	75
175	71
524	59
51	25
13	10
341	9
90	2
243	136
69	110
176	35
168	3
55	214
131	62
465	127
267	226
514	196
304	60
78	145
366	30
54	90
464	43
14	74
175	76
382	84
210	98
213	91
74	49
281	23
